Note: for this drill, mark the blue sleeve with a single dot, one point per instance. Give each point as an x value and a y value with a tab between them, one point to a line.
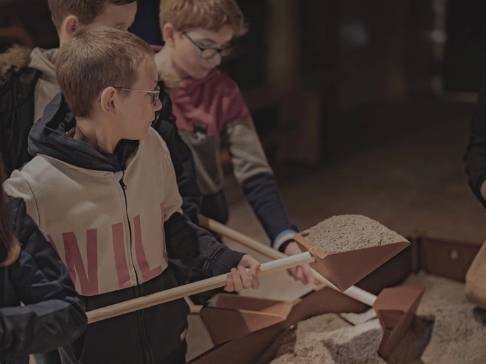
197	248
53	314
264	197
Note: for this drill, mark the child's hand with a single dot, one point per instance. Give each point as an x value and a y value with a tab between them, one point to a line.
303	272
239	278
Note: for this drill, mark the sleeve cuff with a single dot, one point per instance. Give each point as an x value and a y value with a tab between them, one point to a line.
284	237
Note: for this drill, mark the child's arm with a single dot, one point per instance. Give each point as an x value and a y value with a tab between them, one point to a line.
259	186
255	176
180	154
53	315
196	247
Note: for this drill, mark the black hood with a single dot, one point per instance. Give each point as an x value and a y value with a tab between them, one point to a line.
48	136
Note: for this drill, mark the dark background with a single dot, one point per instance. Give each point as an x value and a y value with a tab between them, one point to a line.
306	62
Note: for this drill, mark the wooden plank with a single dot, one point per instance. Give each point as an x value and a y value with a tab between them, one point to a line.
449	259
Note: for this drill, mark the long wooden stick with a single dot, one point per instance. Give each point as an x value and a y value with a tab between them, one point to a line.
353	292
190	289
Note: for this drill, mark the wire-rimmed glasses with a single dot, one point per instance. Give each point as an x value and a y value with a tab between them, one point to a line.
154	94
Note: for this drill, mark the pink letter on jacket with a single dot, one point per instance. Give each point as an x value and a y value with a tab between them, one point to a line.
147	273
74	261
120	256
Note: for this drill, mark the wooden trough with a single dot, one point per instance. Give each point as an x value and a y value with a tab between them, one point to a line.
439	257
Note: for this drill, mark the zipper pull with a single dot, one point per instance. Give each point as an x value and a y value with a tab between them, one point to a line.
123	185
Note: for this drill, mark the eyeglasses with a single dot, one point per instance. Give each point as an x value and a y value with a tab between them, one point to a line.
208	52
154	95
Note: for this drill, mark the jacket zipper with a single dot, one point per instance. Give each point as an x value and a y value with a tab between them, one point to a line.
124	188
139	313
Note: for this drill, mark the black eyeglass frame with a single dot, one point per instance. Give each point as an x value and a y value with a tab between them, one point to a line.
224	52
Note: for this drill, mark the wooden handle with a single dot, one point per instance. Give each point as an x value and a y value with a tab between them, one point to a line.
190	289
193	309
353	291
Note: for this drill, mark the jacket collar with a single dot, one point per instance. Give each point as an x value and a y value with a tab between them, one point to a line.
49	137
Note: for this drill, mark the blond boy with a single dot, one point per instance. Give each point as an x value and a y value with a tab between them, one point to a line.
106	197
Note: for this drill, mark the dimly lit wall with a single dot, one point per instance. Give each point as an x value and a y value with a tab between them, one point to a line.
465	59
303	61
384	51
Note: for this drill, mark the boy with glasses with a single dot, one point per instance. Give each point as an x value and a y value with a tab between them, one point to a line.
106	197
210	109
30	83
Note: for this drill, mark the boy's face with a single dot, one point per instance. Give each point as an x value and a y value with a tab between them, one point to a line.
136	111
117	16
186	55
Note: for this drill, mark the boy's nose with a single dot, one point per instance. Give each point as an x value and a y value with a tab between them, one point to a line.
215	60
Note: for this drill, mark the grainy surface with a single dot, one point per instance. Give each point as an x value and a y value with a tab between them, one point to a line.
280	347
329	339
443	331
351	232
457	336
358	318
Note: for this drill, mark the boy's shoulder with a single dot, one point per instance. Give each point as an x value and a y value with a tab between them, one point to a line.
155	143
221	81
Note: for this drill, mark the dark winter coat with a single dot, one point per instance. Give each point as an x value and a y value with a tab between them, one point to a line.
53	314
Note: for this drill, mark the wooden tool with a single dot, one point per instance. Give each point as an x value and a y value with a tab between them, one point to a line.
189	289
382	253
241	315
395	307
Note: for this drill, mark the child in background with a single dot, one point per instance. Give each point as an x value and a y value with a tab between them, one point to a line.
209	108
31	272
28	77
106	197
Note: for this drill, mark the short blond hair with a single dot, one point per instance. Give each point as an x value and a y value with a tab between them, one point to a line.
95	58
85	10
205	14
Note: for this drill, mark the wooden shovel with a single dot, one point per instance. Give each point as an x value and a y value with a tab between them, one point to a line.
314	255
395	307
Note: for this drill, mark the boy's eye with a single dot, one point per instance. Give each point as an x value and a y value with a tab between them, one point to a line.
204	44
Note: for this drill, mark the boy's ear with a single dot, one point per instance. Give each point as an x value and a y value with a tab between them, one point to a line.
168	34
107	99
70	25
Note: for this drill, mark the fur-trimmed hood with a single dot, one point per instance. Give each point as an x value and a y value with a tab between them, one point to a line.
17	57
